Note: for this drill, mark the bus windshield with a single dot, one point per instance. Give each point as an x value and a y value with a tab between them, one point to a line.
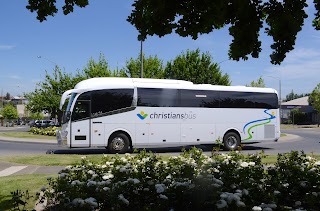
67	113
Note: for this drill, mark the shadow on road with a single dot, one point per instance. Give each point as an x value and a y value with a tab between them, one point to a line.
205	148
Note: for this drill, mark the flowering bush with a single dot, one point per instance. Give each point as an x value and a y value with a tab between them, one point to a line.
48	131
191	181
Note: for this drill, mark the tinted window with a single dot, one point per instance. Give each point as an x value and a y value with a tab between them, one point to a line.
266	100
199	98
81	110
236	100
104	101
151	97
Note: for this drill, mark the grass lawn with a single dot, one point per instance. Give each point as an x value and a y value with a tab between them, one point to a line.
32	183
49	159
25	135
65	160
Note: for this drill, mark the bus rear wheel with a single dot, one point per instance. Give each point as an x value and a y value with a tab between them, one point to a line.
118	143
231	141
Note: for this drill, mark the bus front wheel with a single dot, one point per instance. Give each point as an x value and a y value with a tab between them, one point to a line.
118	143
231	141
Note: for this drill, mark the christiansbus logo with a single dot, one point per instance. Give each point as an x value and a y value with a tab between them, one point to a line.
142	115
164	115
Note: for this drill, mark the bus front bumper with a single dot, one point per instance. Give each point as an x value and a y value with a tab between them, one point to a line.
61	138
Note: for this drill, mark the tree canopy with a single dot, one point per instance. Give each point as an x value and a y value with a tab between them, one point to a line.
152	67
292	96
10	112
244	18
314	98
258	83
196	67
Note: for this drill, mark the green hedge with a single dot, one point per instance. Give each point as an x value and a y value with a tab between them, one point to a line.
49	131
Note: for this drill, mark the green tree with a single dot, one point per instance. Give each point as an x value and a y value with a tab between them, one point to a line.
8	96
314	99
36	115
47	94
197	68
152	67
258	83
10	112
292	96
98	68
282	21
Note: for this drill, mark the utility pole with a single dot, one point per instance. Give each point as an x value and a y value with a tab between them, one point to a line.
141	60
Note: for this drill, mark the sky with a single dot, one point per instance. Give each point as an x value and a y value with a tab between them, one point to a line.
29	48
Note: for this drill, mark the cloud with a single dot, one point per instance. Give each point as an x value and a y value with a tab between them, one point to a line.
301	55
7	47
16	77
299	72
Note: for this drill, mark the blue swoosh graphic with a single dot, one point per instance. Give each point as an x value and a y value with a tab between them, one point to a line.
140	116
259	120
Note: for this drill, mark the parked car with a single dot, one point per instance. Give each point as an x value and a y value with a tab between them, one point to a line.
32	123
44	123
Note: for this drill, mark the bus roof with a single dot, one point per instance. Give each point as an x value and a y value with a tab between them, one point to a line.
117	82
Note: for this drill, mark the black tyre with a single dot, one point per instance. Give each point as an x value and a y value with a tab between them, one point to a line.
231	141
118	143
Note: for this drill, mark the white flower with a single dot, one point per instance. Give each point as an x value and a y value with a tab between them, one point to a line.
106	188
124	200
68	167
83	157
91	183
221	204
108	176
43	188
298	203
251	163
240	204
145	189
317	163
285	185
160	188
75	182
91	201
163	197
90	172
256	208
315	193
122	169
63	175
77	201
267	209
276	192
224	195
245	192
244	164
135	181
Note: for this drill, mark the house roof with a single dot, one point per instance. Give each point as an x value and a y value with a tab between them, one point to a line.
303	101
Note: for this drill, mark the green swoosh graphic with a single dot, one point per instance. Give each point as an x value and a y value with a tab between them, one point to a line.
250	136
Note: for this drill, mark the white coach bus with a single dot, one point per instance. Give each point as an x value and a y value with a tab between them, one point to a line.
125	113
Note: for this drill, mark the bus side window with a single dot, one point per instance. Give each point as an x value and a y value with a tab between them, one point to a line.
81	110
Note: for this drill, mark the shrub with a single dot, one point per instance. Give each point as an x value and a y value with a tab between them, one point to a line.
49	131
191	181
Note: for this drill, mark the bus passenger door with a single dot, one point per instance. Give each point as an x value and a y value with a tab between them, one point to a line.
80	124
